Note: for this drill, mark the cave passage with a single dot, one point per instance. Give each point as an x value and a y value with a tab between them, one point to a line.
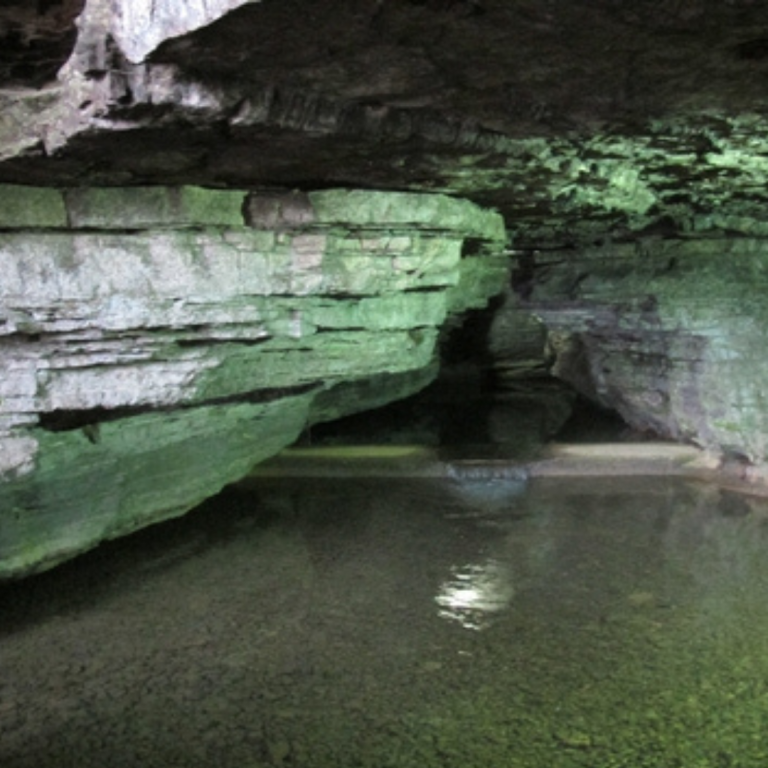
463	416
379	623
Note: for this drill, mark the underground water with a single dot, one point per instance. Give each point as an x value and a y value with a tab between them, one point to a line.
471	618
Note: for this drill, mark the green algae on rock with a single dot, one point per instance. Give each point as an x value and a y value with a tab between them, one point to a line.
158	342
107	479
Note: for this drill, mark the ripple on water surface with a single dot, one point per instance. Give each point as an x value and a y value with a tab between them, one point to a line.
375	623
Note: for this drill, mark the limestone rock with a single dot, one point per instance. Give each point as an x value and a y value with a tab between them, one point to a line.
624	144
576	121
157	342
669	332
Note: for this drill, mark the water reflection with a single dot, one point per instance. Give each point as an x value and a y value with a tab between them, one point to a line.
326	624
475	593
485	486
492	501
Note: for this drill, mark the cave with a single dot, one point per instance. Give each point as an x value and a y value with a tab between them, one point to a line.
329	286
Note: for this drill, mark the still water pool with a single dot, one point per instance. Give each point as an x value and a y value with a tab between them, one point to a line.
383	623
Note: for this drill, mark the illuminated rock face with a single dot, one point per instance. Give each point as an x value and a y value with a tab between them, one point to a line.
576	122
156	343
669	332
243	318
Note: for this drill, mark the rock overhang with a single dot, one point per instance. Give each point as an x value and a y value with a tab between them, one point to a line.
244	126
157	342
576	120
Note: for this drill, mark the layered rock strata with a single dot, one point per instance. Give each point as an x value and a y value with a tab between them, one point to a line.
516	105
156	343
669	332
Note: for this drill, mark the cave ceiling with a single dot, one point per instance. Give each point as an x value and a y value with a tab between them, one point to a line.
577	119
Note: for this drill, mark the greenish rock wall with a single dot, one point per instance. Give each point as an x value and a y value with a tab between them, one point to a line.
669	332
156	343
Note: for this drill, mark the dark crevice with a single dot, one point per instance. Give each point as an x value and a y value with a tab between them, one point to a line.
523	275
472	246
425	289
88	419
593	423
340	296
209	342
752	50
25	337
61	420
465	337
148	229
413	330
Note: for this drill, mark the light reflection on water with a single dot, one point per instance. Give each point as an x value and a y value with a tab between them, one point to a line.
334	623
475	593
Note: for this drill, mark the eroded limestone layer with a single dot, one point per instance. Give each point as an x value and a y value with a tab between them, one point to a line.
670	332
156	343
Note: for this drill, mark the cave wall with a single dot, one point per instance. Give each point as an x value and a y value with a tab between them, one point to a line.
162	327
670	332
156	343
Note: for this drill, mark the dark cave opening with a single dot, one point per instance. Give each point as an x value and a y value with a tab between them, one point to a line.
482	405
463	412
